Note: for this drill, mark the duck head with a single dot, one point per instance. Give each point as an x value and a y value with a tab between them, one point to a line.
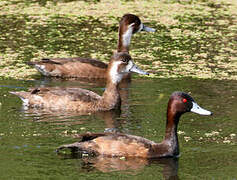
131	21
129	25
180	103
121	64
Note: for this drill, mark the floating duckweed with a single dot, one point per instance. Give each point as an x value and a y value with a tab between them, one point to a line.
181	132
213	133
65	132
186	138
232	136
189	41
227	141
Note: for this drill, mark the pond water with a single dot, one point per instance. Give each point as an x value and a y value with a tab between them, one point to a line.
28	138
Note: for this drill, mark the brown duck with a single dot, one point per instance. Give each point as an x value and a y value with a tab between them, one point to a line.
117	144
77	99
90	68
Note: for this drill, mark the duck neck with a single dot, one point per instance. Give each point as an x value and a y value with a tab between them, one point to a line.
171	137
111	98
124	39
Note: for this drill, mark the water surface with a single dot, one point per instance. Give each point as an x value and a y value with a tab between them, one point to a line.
28	138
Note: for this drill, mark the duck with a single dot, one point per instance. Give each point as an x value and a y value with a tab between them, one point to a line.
125	145
78	67
78	99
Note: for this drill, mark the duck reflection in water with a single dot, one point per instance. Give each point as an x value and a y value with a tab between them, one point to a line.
126	165
112	118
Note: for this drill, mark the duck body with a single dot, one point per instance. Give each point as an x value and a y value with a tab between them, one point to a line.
77	99
70	99
71	68
118	144
91	68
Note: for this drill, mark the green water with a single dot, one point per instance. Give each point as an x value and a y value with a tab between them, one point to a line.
28	138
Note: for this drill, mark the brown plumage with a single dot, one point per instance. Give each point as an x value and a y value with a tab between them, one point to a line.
91	68
77	99
117	144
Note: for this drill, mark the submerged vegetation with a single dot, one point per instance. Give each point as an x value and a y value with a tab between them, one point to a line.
193	39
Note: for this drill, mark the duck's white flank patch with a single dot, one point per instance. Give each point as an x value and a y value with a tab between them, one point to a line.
41	69
115	76
25	101
127	35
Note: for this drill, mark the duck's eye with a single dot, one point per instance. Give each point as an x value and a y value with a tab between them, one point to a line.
185	100
124	60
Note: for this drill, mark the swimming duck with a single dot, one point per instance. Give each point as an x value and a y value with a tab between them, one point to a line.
90	68
124	145
77	99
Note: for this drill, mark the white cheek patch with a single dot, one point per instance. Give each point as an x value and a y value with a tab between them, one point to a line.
140	27
115	76
127	35
129	66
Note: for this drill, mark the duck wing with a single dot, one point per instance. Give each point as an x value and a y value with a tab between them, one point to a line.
71	67
61	61
56	97
111	144
76	94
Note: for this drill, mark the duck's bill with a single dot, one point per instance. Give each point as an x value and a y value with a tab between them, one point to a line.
138	70
148	29
197	109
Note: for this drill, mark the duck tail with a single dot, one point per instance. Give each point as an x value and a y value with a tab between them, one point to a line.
22	95
74	147
31	63
42	61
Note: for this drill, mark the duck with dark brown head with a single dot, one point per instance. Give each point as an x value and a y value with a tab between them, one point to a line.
118	144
